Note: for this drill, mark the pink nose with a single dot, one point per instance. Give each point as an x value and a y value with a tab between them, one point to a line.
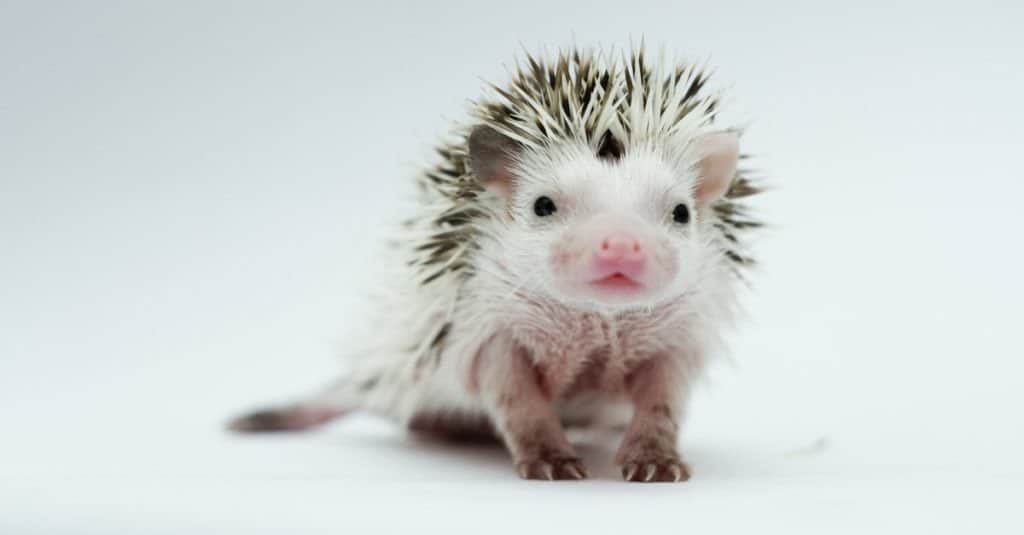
619	253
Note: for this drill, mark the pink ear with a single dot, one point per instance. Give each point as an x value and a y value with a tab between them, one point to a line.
491	156
719	154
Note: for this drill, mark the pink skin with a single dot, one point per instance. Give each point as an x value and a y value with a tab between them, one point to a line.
613	259
618	263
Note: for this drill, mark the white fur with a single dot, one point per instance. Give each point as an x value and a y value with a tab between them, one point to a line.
511	287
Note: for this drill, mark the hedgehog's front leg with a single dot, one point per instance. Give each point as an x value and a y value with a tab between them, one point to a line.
522	413
649	449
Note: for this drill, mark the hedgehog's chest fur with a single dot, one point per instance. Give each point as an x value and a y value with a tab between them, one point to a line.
578	352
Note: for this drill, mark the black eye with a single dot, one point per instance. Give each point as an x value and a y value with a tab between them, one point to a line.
681	214
544	207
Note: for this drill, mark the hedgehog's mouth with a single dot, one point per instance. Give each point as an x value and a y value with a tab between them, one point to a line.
617	282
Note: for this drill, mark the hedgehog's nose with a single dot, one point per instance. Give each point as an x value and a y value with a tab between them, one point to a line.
619	253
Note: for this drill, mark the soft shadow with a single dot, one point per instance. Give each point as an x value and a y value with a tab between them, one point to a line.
480	459
488	459
484	459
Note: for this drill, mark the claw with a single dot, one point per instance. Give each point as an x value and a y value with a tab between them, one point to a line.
548	471
554	470
651	470
677	473
629	470
524	470
574	471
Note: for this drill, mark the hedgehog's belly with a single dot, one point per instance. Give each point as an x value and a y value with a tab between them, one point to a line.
590	354
584	376
597	396
595	374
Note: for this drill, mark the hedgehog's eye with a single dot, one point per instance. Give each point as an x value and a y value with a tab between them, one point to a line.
544	207
681	214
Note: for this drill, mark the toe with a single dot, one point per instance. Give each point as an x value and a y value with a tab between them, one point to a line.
662	470
560	469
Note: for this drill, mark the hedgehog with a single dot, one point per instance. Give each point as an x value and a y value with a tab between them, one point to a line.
576	254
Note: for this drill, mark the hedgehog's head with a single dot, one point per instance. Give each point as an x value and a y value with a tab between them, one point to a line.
613	226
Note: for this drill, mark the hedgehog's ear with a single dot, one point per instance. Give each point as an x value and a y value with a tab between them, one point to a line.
491	155
719	154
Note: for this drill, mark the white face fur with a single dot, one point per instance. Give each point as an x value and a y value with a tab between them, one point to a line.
610	233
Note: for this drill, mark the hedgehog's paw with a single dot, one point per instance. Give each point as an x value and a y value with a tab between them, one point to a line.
650	470
551	468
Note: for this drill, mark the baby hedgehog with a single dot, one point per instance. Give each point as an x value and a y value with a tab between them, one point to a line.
576	253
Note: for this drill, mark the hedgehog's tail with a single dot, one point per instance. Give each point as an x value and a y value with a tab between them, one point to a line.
336	400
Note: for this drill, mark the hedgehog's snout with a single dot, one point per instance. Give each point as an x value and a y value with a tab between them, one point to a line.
618	256
613	258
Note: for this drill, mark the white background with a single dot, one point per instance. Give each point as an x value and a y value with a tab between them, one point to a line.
192	194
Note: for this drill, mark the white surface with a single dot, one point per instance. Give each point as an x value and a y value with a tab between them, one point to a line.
191	195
